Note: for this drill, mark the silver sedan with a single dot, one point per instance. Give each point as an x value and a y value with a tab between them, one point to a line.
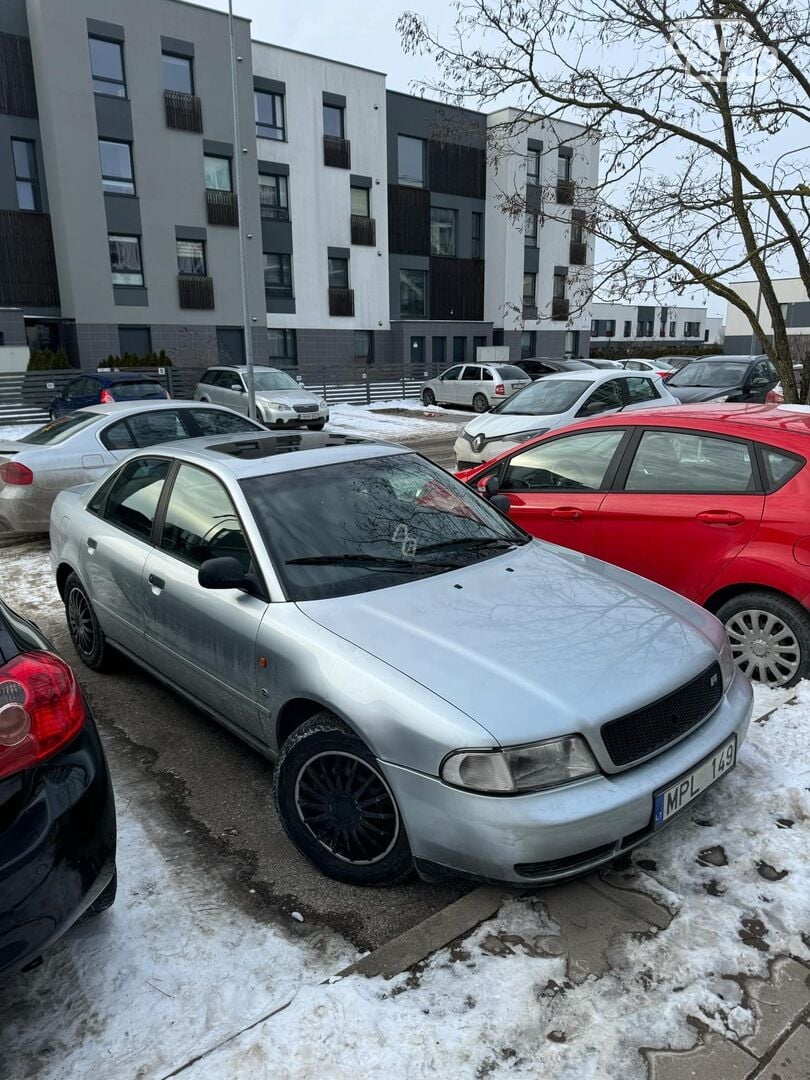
438	690
84	445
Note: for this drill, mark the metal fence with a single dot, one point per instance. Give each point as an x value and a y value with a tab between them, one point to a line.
26	396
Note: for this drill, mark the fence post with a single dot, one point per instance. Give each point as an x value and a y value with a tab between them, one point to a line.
368	387
170	382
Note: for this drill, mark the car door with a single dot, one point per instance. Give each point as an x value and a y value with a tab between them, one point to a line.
469	384
448	391
234	399
640	393
761	378
555	487
606	397
115	544
203	639
684	505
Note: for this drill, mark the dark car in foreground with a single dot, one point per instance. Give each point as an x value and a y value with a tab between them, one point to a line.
103	388
538	366
723	378
57	814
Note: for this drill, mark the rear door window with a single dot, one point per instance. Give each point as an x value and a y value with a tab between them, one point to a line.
214	422
133	498
641	390
471	374
676	461
145	429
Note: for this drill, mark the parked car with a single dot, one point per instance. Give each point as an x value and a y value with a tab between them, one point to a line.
724	378
553	402
710	501
657	367
477	386
677	362
537	366
280	400
602	365
90	388
78	448
435	686
776	395
57	814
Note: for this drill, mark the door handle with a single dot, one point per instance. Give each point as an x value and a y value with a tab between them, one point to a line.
720	517
157	582
91	543
570	512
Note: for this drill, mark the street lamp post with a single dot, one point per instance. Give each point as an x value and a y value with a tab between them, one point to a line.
240	210
787	153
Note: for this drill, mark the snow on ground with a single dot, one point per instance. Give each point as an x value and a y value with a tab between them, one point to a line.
416	406
370	422
12	432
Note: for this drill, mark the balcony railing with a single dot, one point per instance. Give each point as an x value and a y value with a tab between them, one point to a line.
565	192
364	230
222	208
183	111
270	212
529	311
337	152
196	292
578	253
559	308
341	301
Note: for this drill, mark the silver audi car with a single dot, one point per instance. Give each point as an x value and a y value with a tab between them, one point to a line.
438	690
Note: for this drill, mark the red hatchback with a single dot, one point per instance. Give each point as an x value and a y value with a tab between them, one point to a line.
712	501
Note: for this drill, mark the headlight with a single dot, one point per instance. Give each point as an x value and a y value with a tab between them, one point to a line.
520	768
279	405
727	665
323	403
522	436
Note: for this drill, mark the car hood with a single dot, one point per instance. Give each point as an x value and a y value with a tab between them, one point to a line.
532	644
493	425
288	397
687	394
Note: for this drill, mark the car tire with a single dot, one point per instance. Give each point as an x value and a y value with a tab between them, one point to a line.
105	899
312	783
428	398
317	427
84	628
480	403
769	635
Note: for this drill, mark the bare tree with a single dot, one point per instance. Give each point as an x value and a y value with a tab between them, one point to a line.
685	99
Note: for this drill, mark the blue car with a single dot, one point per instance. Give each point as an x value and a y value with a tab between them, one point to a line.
103	389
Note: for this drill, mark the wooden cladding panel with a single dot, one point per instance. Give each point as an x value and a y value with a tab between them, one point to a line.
27	265
18	95
457	170
408	220
457	289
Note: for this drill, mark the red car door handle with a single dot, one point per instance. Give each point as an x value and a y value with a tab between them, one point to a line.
720	517
566	512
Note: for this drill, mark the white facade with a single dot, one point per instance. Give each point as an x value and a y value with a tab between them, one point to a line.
652	324
319	195
792	295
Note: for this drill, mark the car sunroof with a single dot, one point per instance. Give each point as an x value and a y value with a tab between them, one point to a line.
271	445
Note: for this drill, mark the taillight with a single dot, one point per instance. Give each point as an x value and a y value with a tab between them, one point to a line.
41	710
500	389
13	472
106	397
774	397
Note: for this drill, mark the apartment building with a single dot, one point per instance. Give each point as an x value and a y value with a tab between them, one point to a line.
378	242
638	325
792	294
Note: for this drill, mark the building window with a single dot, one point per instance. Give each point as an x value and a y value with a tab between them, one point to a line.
559	287
418	351
217	173
191	258
691	329
527	344
125	260
533	167
135	339
178	73
672	328
438	348
360	202
107	67
410	161
563	166
282	345
628	327
571	343
277	274
413	294
116	167
364	346
477	229
442	231
273	198
577	231
269	115
529	289
603	327
530	230
644	328
338	273
334	121
24	156
459	350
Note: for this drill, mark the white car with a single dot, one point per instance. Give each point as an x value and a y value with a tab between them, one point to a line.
658	367
555	401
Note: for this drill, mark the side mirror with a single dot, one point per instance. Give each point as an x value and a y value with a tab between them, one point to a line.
501	503
492	486
758	384
236	387
224	572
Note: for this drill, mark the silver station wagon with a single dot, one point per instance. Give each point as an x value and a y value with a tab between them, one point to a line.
438	690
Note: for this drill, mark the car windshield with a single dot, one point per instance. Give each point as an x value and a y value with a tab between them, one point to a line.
130	391
274	380
714	373
59	430
370	524
544	397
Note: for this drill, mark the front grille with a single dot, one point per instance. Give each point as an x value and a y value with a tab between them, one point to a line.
647	730
568	862
305	408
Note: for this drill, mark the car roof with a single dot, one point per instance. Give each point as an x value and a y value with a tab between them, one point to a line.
116	408
243	368
734	419
118	376
717	357
274	451
595	375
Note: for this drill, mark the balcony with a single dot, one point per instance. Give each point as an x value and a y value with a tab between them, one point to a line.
183	111
341	302
364	230
578	253
529	312
337	152
565	192
559	308
196	292
222	208
270	212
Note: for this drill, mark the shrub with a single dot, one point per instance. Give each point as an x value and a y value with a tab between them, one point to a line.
132	360
48	360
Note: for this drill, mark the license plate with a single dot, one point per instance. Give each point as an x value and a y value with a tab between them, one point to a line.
686	788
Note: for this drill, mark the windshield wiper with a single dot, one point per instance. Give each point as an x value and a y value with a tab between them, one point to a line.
472	543
372	562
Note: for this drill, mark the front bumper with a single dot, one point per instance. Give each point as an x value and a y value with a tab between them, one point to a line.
25	508
57	847
559	833
279	418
